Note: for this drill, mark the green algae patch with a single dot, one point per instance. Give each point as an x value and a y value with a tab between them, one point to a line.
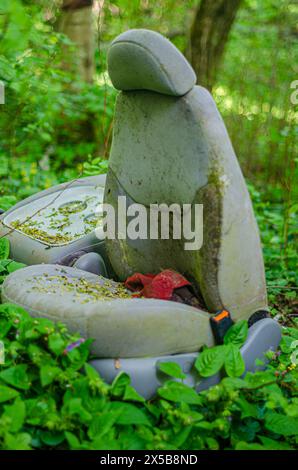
84	290
29	229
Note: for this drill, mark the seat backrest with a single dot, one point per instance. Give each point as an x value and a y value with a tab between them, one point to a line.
170	146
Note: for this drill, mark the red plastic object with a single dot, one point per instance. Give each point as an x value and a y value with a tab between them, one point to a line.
159	286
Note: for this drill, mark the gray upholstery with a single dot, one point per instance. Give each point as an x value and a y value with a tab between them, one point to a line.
140	59
169	149
38	208
122	327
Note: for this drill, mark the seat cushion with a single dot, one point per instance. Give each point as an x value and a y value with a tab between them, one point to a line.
99	308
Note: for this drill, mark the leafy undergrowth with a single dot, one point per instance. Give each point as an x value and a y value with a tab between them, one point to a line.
51	398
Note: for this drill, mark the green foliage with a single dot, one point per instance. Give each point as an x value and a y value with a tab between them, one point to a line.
7	265
47	401
211	360
237	334
48	112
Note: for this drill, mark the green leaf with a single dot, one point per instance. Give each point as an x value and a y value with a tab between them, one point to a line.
14	266
102	424
13	312
118	387
271	444
6	202
4	248
210	361
234	383
75	406
16	413
39	409
179	392
7	393
7	71
5	327
52	438
247	409
56	343
72	440
20	441
172	369
237	334
48	374
131	394
281	424
249	446
16	376
234	363
129	414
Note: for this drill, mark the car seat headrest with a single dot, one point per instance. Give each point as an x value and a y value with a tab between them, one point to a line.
140	59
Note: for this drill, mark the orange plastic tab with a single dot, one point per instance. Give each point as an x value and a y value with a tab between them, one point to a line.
221	315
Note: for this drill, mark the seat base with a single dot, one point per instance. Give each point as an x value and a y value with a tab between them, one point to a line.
146	377
99	308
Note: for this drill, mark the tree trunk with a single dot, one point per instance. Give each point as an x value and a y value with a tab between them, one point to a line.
209	33
76	22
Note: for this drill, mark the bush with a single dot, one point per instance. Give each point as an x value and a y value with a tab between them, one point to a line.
47	402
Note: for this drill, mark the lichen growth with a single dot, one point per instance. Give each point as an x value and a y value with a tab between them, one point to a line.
29	229
85	291
54	227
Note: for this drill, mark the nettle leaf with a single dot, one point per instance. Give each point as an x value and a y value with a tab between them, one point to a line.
6	202
48	374
172	369
248	409
271	444
52	438
72	440
121	388
179	392
234	383
5	327
210	361
7	393
74	406
249	446
103	423
281	424
38	409
4	248
180	438
79	355
131	394
119	384
259	379
16	413
14	312
234	363
56	343
14	266
20	441
130	440
16	376
129	414
237	334
293	332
